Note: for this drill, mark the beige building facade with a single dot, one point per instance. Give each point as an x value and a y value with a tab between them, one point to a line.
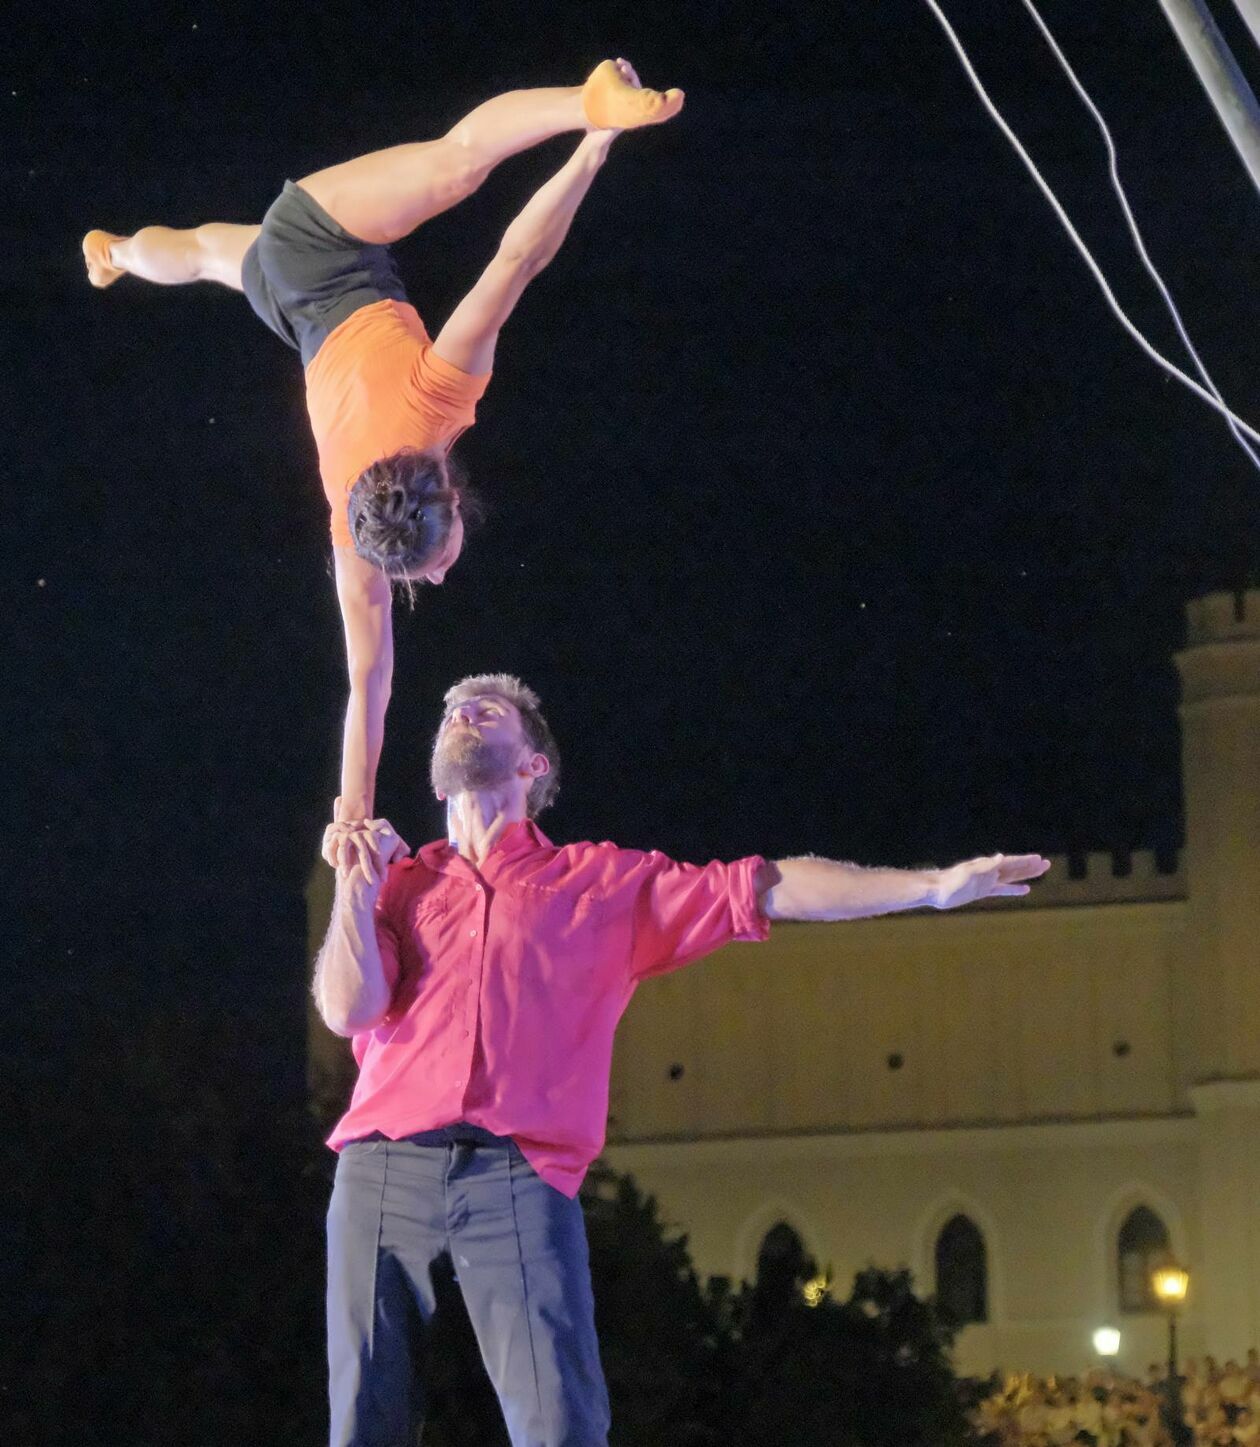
1061	1073
1043	1068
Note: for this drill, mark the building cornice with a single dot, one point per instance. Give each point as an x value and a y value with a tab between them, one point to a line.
1098	1134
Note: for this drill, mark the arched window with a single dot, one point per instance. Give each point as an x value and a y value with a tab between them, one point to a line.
783	1254
962	1273
1141	1246
783	1267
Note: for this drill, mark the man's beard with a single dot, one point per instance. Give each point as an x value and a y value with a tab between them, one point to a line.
462	760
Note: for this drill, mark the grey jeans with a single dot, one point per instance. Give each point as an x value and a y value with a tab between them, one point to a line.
519	1251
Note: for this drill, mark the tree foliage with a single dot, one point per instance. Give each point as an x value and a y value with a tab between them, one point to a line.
167	1269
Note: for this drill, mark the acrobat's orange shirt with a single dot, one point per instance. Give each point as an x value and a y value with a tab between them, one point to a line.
375	386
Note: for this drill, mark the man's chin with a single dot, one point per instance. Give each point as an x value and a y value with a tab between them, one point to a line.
451	776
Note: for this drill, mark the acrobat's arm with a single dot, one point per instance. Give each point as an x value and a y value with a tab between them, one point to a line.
467	341
364	595
824	889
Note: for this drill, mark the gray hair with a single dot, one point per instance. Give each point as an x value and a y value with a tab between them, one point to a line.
543	791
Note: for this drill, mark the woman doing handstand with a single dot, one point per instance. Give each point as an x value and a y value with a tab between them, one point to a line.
386	403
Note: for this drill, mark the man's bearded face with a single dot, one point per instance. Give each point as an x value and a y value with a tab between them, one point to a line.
477	747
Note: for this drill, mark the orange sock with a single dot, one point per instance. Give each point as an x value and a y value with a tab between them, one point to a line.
100	269
612	103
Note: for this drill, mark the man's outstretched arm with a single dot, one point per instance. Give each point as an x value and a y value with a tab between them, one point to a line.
825	889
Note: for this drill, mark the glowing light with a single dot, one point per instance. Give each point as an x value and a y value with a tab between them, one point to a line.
1106	1341
1171	1283
815	1290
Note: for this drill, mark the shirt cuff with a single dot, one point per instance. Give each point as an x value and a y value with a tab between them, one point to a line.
750	923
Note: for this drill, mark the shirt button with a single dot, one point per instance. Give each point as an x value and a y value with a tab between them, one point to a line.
472	933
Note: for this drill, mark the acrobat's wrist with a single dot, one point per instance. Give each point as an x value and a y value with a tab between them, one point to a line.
351	810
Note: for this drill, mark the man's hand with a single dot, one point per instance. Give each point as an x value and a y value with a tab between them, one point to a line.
994	877
370	845
359	885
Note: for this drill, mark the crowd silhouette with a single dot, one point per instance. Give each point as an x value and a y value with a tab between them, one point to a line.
1220	1404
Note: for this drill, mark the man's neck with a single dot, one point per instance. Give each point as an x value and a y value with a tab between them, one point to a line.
476	818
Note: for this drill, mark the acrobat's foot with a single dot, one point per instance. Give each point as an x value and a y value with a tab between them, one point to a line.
614	99
100	266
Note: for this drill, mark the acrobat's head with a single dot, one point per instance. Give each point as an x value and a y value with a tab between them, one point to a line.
408	512
493	736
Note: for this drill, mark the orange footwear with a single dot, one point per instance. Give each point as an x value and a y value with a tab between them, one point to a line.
100	269
612	103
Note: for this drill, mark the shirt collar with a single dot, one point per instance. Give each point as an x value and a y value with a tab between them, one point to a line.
522	837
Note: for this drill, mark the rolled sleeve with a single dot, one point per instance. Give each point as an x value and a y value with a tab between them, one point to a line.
686	911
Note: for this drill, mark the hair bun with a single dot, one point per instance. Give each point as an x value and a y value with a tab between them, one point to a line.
401	510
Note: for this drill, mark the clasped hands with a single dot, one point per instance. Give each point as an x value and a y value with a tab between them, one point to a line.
369	846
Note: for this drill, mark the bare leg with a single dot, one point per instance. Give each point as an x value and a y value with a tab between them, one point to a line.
385	195
213	252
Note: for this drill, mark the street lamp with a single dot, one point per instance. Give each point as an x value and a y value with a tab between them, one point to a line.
1107	1341
1170	1283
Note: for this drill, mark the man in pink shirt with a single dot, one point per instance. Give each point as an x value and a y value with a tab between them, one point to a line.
481	981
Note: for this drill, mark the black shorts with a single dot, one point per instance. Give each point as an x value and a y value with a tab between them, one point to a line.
305	274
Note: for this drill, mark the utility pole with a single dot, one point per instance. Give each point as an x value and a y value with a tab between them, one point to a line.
1219	74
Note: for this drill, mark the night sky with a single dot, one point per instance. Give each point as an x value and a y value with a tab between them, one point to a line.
829	508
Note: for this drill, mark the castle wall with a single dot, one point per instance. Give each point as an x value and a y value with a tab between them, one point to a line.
1220	719
996	1014
1059	1061
1049	1200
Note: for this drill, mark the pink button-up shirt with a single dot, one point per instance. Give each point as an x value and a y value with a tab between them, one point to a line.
508	984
